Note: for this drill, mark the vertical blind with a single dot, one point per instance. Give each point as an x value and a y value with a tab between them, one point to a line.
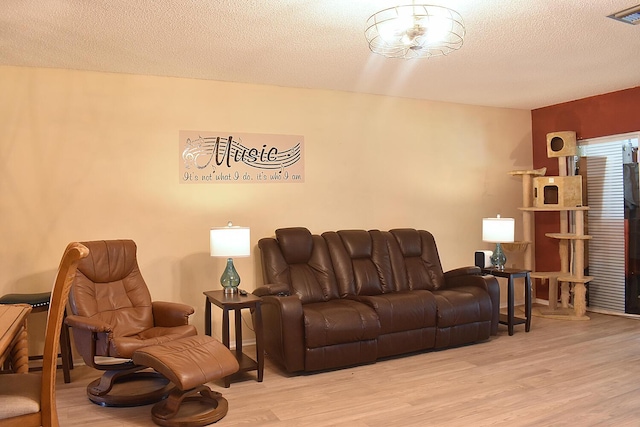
605	223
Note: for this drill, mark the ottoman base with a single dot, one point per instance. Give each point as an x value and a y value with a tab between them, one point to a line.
166	413
134	387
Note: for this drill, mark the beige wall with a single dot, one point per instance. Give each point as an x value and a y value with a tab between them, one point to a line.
87	156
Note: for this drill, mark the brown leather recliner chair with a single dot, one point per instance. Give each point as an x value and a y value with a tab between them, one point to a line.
113	316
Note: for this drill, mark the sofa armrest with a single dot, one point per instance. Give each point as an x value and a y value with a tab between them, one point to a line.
472	276
283	330
463	276
168	314
462	271
272	289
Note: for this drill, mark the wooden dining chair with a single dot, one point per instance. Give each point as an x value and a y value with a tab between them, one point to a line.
30	399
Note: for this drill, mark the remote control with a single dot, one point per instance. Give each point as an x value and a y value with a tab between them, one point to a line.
242	292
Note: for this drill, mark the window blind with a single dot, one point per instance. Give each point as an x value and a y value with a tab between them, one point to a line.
605	223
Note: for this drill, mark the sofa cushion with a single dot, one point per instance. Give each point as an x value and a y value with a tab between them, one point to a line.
338	322
296	244
465	304
418	264
301	261
361	262
403	311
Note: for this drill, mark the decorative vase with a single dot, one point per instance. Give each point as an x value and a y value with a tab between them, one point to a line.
230	279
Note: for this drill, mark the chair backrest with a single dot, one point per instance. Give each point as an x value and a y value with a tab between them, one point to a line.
59	297
300	260
416	261
361	261
109	286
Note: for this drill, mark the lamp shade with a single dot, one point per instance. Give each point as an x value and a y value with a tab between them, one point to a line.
230	241
498	230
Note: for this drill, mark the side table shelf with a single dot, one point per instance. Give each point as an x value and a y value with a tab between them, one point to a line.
236	303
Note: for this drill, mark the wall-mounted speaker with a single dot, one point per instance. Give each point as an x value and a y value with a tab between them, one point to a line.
561	144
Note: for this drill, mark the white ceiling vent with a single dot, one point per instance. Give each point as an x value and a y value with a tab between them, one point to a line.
630	16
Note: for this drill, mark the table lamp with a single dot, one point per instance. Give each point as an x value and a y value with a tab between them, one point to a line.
498	230
230	241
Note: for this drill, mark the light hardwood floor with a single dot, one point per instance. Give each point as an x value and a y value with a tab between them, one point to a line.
562	373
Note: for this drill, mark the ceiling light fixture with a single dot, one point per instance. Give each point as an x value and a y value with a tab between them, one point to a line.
415	31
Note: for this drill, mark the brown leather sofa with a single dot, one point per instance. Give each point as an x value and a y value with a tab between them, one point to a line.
354	296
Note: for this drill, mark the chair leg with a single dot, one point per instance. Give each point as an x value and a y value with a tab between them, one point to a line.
65	353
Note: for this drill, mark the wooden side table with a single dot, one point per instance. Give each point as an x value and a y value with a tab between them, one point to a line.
236	303
511	274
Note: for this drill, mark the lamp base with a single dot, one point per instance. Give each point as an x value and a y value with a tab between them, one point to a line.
498	259
230	279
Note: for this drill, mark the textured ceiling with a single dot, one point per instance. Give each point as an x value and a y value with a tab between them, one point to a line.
516	54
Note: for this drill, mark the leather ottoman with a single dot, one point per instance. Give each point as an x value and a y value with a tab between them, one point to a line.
189	363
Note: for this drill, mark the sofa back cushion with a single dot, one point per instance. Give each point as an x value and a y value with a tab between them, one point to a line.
361	261
300	260
415	260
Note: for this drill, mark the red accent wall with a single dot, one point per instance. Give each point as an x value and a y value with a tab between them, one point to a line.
602	115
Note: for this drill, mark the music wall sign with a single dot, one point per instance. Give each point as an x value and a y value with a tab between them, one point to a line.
231	157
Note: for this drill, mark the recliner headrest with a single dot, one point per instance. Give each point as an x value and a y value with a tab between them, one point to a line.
296	244
108	260
357	242
409	241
